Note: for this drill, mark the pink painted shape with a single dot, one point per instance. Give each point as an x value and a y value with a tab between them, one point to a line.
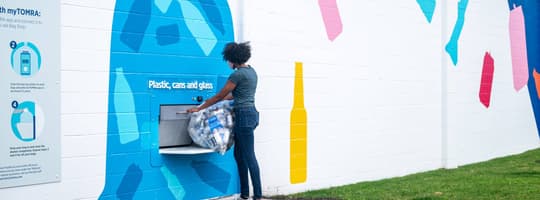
486	82
331	18
518	45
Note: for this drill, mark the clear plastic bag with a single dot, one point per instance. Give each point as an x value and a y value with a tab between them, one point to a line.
212	127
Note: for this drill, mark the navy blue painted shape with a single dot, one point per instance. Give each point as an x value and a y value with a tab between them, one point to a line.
137	22
212	175
130	182
167	34
212	13
531	13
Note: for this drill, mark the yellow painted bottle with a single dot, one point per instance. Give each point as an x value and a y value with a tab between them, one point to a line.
298	134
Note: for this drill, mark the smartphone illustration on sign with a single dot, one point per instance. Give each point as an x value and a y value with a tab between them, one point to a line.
26	69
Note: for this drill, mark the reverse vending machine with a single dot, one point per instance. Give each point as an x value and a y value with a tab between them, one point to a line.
171	98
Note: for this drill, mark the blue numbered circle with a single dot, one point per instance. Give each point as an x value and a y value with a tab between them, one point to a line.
14	104
13	44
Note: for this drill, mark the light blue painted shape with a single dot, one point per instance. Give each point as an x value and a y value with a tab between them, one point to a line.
428	7
124	121
173	183
452	45
195	23
163	5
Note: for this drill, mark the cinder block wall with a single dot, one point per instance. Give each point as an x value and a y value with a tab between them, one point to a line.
383	98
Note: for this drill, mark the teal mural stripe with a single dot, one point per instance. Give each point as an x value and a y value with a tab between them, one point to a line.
428	8
452	45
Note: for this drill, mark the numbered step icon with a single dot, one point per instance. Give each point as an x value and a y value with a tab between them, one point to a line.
27	120
25	58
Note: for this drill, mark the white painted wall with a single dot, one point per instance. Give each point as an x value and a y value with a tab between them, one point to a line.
508	126
375	96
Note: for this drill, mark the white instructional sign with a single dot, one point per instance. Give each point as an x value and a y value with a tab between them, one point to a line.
30	87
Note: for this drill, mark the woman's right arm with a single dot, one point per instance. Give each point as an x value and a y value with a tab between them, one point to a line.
225	92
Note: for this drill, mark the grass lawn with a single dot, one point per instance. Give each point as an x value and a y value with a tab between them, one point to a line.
514	177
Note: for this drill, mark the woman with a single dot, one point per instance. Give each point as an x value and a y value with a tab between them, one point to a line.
241	87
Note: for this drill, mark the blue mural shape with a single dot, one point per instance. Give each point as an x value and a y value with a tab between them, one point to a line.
213	14
167	34
161	39
428	7
202	31
219	179
135	26
130	182
531	14
452	45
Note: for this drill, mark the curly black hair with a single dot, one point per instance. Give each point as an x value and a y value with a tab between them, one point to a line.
237	53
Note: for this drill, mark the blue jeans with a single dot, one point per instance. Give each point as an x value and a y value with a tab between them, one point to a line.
245	121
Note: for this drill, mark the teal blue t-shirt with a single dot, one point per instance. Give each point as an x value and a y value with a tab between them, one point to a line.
245	79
